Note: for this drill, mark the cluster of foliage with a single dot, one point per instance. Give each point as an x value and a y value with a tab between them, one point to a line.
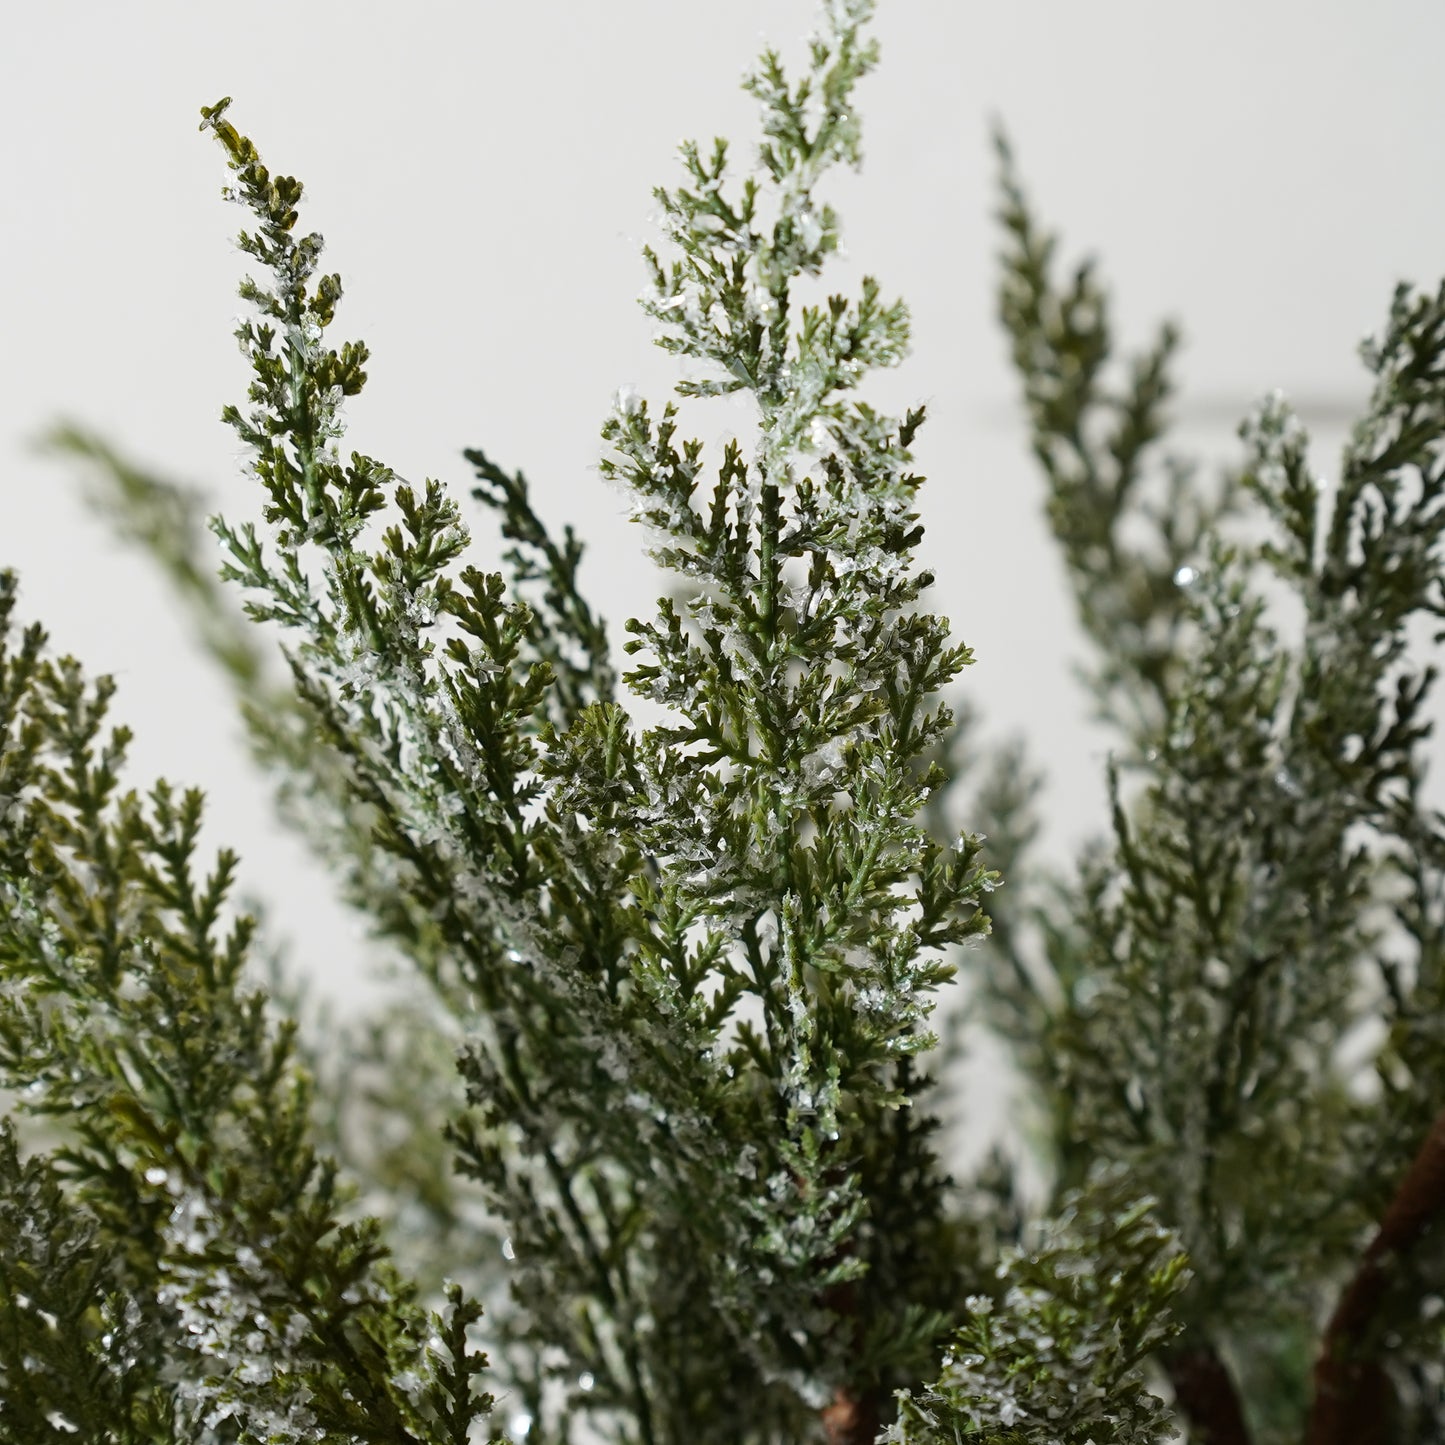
660	1092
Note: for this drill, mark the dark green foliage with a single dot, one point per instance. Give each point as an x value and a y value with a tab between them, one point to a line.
79	1352
565	634
227	1284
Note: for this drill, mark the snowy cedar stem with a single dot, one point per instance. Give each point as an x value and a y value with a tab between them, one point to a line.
665	1098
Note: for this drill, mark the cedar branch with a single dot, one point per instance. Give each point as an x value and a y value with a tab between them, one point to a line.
1350	1405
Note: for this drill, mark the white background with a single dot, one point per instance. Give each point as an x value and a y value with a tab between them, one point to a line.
1265	171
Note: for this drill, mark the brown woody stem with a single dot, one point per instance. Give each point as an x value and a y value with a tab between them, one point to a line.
1352	1393
852	1419
1205	1393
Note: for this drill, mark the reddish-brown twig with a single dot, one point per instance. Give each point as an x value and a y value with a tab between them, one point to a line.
852	1419
1205	1393
1352	1394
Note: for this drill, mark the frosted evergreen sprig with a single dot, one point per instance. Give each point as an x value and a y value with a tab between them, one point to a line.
781	561
610	899
437	742
1056	1360
1131	523
1243	894
227	1283
565	633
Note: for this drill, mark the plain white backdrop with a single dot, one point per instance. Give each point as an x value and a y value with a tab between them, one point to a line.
1264	170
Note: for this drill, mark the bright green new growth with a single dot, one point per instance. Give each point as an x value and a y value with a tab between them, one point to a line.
663	1105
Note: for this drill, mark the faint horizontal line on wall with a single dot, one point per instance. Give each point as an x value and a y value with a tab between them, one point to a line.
1223	411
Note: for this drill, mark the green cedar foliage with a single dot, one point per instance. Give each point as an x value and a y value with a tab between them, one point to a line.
180	1266
1239	998
663	1097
